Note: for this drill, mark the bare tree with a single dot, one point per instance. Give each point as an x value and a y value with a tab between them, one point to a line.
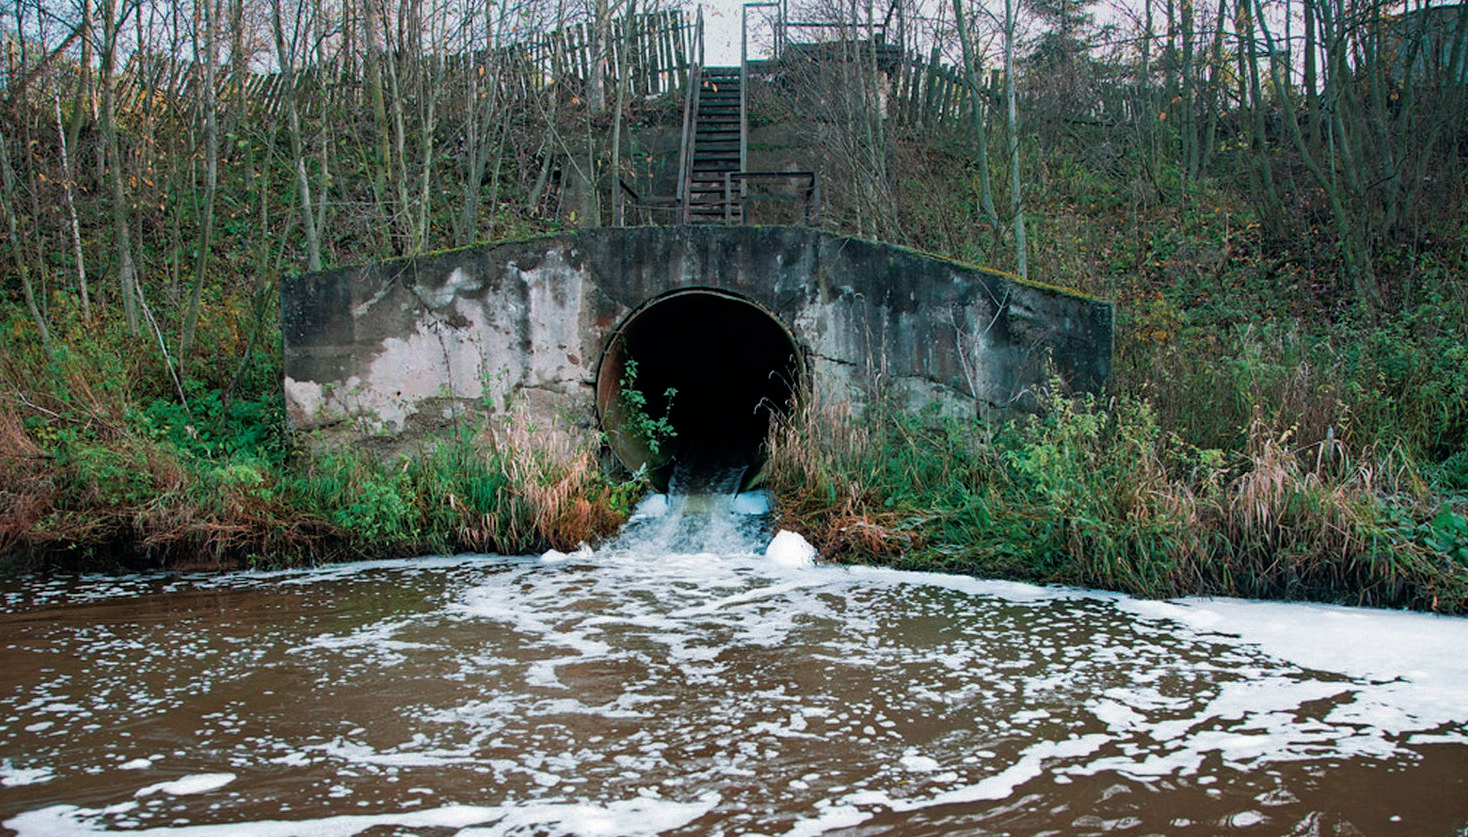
485	123
67	184
288	45
206	58
113	19
839	84
9	187
1389	125
973	73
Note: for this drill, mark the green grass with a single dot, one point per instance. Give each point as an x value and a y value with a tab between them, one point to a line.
1106	496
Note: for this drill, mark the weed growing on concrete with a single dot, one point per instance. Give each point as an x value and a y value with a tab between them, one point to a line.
653	432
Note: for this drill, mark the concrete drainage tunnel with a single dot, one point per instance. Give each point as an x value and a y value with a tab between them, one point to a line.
732	366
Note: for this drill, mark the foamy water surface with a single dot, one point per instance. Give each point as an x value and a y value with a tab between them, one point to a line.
639	689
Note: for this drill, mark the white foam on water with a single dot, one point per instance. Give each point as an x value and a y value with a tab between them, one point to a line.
920	764
1017	592
555	556
376	638
14	777
789	549
1030	765
736	655
1411	668
200	783
638	817
829	818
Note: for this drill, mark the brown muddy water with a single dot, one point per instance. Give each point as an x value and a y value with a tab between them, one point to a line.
639	689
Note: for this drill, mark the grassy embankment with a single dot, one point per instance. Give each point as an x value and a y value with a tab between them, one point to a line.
102	472
1262	437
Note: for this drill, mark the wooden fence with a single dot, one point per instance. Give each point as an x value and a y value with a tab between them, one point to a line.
922	92
928	94
653	51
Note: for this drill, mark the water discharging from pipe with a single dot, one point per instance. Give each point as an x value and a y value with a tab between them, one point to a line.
731	367
703	512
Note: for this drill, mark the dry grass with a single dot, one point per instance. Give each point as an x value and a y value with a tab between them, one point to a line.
1312	523
27	484
137	503
555	472
817	465
1104	498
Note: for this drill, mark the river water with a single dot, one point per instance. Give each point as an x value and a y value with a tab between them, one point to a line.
683	681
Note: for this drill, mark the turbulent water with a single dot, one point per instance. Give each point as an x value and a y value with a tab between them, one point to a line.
681	680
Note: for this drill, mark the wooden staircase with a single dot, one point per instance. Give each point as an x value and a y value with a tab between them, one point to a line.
716	147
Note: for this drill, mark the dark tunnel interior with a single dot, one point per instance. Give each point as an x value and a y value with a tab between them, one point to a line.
733	366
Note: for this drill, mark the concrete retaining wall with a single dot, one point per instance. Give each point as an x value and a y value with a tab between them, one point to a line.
390	351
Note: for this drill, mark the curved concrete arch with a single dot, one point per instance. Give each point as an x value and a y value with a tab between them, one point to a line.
731	367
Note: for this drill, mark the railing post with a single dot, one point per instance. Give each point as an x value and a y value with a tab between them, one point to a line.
743	94
744	79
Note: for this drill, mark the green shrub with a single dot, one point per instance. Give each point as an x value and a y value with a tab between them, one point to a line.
1448	533
108	476
653	432
377	511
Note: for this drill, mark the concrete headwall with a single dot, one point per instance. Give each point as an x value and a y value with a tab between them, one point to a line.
391	350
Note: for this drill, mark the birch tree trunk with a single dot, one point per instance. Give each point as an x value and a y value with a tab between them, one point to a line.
1011	121
68	182
127	271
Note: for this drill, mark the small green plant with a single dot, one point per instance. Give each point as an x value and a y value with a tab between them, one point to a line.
652	431
1448	534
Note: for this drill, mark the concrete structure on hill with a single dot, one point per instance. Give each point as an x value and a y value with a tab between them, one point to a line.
739	321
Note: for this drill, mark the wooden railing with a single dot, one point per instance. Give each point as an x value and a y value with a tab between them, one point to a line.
926	92
656	50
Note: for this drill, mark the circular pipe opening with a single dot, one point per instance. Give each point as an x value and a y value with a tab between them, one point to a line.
730	365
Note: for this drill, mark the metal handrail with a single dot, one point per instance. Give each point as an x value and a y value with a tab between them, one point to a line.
690	114
809	197
777	33
628	196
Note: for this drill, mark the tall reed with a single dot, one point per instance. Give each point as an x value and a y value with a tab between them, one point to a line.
1101	495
